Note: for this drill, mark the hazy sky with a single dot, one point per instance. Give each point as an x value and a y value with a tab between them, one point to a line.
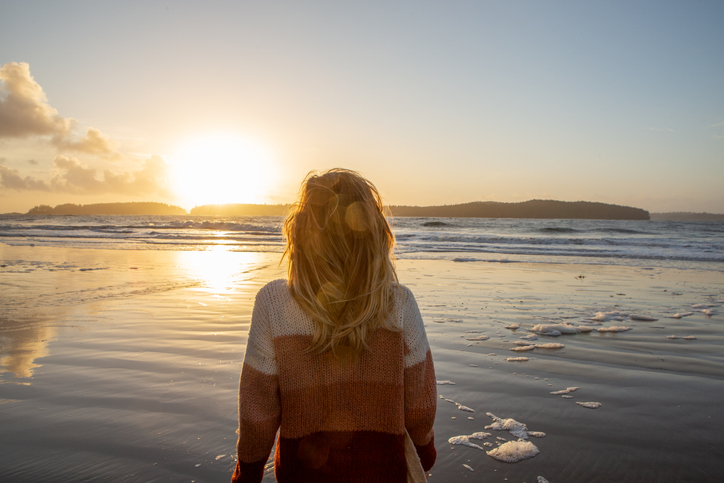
192	102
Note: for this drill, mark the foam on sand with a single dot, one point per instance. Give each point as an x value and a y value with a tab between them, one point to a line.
479	337
530	337
443	383
467	467
517	359
464	440
589	405
514	451
606	316
519	430
679	315
523	348
550	345
567	390
554	330
460	406
703	306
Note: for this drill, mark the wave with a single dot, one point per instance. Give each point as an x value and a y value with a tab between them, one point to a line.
188	225
551	229
435	224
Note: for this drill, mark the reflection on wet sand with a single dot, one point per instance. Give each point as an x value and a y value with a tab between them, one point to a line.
21	347
219	269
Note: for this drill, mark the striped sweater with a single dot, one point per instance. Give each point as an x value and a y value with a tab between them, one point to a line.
337	422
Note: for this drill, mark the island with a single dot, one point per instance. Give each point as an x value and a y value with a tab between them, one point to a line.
549	209
132	208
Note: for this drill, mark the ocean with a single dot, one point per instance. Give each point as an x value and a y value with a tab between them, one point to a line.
671	244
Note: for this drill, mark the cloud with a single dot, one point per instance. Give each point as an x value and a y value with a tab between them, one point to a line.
74	177
25	112
9	178
94	142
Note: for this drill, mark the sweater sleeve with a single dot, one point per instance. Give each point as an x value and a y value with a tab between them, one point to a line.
259	404
420	384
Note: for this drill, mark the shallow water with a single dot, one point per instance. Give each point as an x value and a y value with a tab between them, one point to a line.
124	364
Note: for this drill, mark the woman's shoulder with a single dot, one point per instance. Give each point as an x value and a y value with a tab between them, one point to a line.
275	289
402	292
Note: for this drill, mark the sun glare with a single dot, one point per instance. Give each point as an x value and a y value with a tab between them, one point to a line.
218	169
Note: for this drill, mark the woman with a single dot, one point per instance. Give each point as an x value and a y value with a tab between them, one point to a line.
337	357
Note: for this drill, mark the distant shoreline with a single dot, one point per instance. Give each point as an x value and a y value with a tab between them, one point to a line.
533	209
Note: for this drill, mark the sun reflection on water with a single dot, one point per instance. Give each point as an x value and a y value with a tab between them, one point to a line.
219	269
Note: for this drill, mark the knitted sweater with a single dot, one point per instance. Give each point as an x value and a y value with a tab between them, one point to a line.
337	422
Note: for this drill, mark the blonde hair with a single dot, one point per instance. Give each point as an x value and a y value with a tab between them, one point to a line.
341	267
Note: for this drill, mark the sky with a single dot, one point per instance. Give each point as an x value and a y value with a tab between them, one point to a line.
198	102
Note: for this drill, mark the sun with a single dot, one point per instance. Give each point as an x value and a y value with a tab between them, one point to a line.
219	169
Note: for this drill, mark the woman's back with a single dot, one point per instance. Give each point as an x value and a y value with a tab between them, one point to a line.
337	357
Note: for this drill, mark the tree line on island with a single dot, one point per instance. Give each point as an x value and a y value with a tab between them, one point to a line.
132	208
548	209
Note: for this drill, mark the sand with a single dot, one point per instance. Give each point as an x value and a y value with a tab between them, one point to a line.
125	364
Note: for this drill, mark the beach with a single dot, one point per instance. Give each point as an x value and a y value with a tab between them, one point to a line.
124	365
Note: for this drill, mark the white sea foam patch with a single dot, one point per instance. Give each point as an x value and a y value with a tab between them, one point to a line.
567	390
443	383
517	359
513	326
460	406
709	312
550	345
519	430
522	348
703	306
464	440
514	451
643	318
606	316
554	330
680	315
467	467
614	328
585	329
530	337
478	337
589	405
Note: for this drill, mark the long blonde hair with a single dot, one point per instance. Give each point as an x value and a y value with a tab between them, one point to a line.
341	267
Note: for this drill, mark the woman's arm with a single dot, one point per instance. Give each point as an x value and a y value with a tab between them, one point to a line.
420	384
259	405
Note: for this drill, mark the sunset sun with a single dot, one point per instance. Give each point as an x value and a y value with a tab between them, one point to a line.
220	168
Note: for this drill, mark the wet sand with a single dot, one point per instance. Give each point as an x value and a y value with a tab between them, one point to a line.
124	365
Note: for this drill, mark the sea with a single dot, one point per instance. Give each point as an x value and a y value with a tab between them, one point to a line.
666	244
